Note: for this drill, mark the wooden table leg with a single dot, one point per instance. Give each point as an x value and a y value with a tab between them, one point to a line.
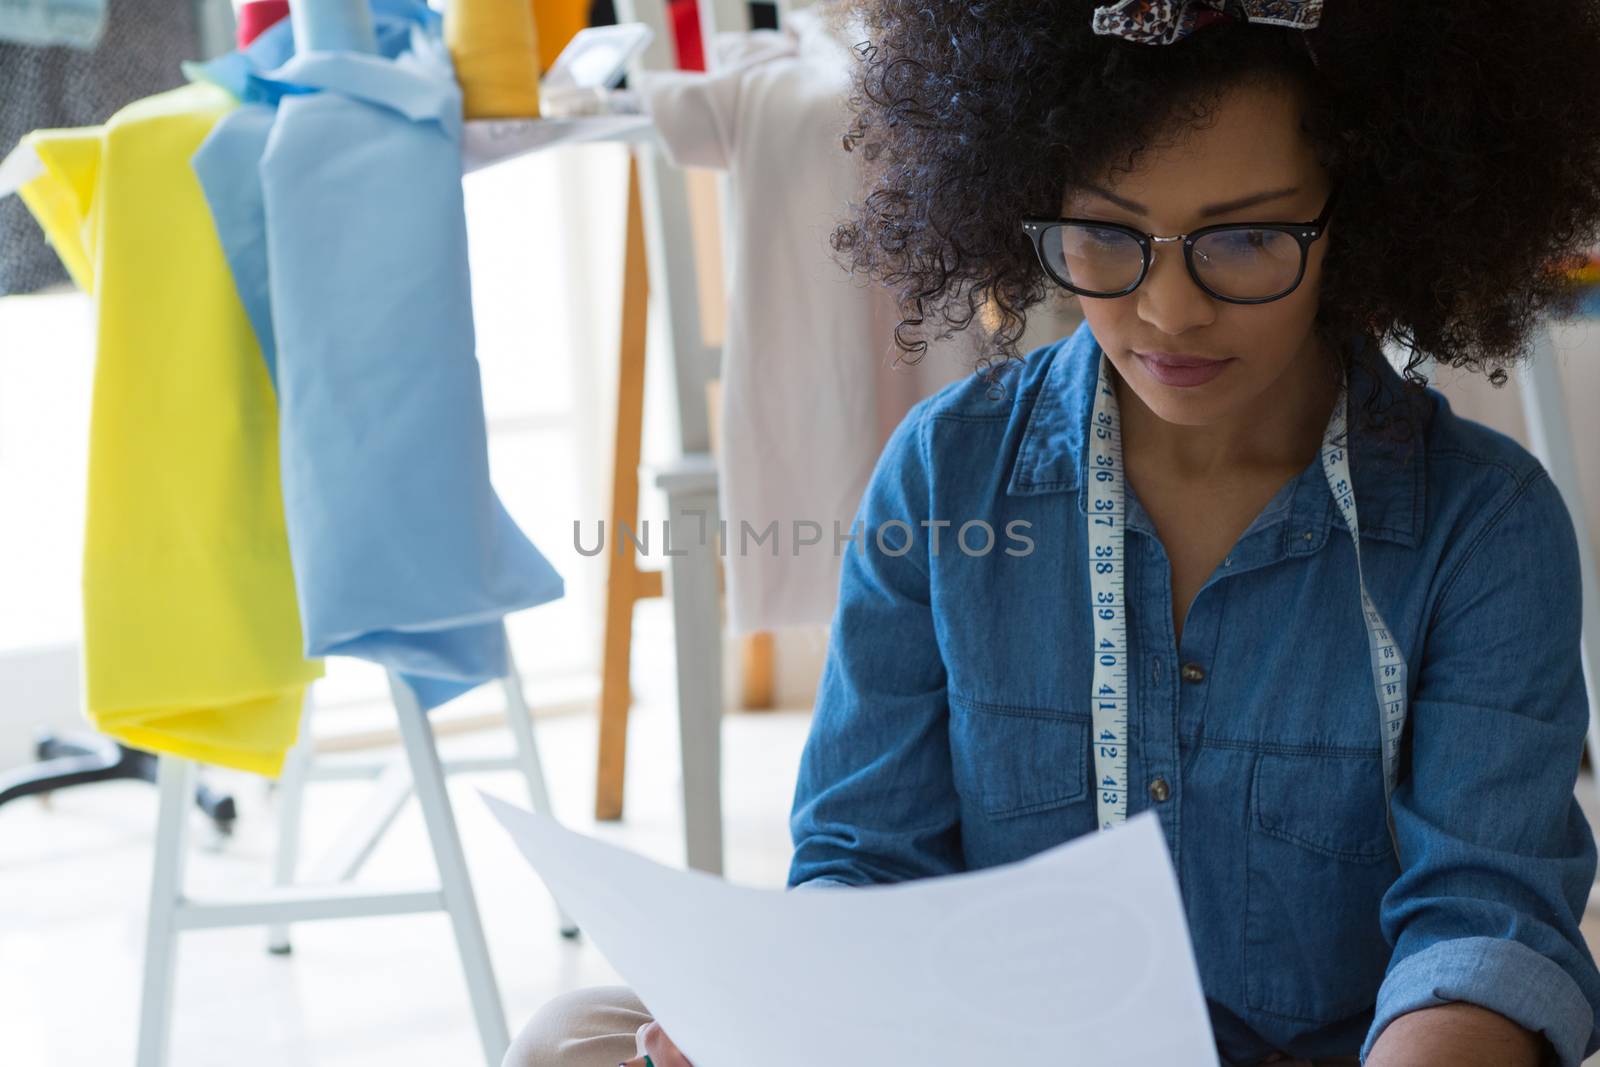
626	584
759	681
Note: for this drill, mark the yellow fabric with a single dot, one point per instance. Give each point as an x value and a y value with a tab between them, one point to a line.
558	21
192	641
63	200
494	47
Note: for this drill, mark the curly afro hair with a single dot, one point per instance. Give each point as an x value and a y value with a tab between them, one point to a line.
1465	135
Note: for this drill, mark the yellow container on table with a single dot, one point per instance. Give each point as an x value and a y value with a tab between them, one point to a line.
495	48
558	22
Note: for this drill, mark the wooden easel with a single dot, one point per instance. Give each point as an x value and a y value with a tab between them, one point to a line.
626	583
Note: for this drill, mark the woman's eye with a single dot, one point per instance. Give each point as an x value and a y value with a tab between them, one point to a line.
1244	240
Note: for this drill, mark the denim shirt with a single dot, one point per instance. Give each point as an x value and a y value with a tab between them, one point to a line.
951	725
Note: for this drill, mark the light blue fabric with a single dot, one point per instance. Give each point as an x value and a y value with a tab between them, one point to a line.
336	189
235	147
42	23
224	163
334	26
952	721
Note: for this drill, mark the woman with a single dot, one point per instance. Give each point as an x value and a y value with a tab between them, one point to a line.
1362	752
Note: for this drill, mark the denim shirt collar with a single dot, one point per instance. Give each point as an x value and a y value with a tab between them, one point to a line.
1388	479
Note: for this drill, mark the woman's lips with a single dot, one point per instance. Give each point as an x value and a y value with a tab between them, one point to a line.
1182	371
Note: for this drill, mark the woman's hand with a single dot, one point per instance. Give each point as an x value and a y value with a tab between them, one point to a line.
653	1040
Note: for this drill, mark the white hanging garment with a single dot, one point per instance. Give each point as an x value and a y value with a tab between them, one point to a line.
810	392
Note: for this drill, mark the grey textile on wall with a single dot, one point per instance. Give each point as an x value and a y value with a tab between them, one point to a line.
145	42
215	27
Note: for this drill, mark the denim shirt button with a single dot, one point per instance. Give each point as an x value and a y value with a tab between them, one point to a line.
1159	790
1193	672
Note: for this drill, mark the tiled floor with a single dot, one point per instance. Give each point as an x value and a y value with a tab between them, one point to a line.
356	993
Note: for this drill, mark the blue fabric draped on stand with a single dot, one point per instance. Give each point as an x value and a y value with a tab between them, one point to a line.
336	191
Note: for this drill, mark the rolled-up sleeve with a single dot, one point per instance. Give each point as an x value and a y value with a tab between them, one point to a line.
1497	858
875	799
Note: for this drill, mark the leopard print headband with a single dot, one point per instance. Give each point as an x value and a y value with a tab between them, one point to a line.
1167	21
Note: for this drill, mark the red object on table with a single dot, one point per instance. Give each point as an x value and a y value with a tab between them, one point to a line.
685	16
258	15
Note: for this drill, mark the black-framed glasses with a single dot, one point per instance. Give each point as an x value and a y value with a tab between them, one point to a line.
1238	262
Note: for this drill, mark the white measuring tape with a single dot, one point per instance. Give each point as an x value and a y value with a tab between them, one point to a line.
1107	523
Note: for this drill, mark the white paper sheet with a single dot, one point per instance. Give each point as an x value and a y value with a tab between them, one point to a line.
1076	957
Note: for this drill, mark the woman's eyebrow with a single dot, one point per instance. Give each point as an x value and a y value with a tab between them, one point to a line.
1209	211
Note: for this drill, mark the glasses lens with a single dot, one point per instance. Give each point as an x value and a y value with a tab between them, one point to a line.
1094	259
1248	264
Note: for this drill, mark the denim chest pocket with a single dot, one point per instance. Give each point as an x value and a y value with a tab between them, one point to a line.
1014	760
1319	860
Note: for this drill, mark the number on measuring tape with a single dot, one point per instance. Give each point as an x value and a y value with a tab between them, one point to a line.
1110	682
1107	530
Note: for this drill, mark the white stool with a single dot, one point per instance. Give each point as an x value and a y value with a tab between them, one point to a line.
393	786
172	912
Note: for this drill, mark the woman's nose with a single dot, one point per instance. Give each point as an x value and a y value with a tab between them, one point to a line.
1169	299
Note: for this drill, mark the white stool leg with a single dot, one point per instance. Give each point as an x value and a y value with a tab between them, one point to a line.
532	767
175	783
291	802
429	781
691	585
